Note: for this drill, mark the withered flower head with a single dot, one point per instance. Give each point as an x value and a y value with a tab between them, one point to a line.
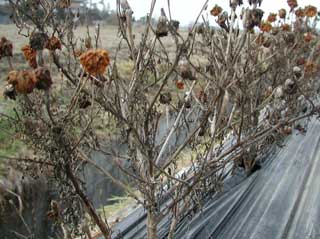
255	2
265	26
253	18
275	30
289	38
235	3
87	43
38	40
290	87
30	55
23	81
180	85
300	12
292	4
308	37
5	47
267	43
84	102
310	11
95	61
162	26
282	13
165	98
53	44
9	92
301	61
184	69
43	78
286	27
202	96
272	17
175	24
200	29
310	67
216	10
222	21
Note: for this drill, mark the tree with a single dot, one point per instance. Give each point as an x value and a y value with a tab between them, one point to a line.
216	82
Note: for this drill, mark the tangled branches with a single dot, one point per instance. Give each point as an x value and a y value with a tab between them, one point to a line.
224	95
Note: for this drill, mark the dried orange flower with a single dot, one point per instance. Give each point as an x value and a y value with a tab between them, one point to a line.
216	10
286	27
95	61
5	47
292	4
265	26
23	81
30	55
272	17
308	37
180	85
310	11
53	44
300	12
282	13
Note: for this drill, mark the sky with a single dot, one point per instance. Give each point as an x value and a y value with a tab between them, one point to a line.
186	11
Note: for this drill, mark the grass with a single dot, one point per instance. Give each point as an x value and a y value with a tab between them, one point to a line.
9	144
117	207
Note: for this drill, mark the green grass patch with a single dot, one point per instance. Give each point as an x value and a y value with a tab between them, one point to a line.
10	144
116	205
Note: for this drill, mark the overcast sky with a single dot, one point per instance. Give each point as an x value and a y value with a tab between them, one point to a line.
186	10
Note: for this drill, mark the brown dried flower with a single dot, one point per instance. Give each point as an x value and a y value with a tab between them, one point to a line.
300	12
216	10
162	26
43	78
255	2
272	17
265	26
286	27
180	85
282	13
310	11
308	37
310	68
53	44
301	61
5	48
184	69
23	81
292	4
95	61
253	18
30	55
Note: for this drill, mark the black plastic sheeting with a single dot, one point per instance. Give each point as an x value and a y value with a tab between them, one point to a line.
280	201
